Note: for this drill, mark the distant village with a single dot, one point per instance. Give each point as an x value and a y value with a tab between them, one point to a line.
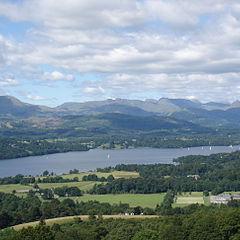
224	198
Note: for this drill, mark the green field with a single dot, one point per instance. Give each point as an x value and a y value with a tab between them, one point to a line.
143	200
8	188
21	189
116	174
82	185
186	199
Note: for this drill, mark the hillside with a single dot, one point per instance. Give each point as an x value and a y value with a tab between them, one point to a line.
10	106
179	115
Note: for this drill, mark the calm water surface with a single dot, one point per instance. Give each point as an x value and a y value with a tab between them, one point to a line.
90	160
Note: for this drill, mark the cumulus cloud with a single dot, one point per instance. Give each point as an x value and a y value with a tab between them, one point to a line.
8	81
57	76
35	97
93	14
177	48
206	87
93	90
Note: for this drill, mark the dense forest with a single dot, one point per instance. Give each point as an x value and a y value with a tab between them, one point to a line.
203	224
16	148
216	173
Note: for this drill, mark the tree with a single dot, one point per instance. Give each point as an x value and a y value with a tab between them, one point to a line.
137	210
5	220
217	190
45	173
110	178
166	207
205	193
146	234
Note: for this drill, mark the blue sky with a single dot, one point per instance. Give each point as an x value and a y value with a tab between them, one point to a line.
57	51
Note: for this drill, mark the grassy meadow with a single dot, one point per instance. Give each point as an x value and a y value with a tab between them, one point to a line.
143	200
81	185
21	190
69	219
116	174
185	199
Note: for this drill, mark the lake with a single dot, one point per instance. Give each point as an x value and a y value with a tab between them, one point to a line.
99	158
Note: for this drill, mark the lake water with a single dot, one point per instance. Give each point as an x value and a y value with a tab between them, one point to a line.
99	158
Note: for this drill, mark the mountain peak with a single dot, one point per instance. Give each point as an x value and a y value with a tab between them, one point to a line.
235	104
11	100
14	107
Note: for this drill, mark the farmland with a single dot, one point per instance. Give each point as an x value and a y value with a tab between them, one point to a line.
116	174
83	185
185	199
143	200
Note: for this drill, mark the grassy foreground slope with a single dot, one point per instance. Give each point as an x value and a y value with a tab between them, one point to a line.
68	219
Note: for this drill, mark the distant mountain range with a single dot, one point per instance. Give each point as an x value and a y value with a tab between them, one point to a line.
210	114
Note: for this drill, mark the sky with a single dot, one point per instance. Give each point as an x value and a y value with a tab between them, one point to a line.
80	50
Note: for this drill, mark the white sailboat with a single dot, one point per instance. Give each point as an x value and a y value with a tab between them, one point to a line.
108	156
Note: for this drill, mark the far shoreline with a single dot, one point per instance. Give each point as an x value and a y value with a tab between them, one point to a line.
117	149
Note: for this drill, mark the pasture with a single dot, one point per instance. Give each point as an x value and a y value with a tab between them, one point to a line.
116	174
82	185
19	188
186	199
143	200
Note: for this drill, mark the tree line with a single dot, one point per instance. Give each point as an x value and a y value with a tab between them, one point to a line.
216	172
95	178
64	191
25	180
15	210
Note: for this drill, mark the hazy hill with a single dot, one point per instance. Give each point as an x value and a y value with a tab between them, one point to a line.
210	114
13	107
163	106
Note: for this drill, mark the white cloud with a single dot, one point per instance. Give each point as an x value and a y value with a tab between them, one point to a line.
70	39
176	47
94	90
57	76
74	13
207	87
8	81
35	97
